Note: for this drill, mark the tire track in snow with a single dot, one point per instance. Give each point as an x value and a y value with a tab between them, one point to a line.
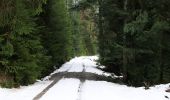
38	96
82	80
56	80
82	76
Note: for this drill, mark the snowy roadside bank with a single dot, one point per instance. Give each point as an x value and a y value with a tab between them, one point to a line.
24	92
100	90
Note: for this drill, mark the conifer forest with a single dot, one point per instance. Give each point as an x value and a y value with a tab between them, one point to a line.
131	38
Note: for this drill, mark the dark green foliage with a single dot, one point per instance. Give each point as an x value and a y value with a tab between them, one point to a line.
77	37
21	52
110	41
36	35
83	28
133	39
57	41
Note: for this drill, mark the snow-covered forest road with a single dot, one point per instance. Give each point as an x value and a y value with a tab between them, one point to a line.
76	72
80	79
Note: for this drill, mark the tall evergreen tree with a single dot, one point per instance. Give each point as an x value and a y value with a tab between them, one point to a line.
21	51
57	38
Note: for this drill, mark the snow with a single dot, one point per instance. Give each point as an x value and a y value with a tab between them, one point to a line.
66	89
100	90
24	92
77	67
77	63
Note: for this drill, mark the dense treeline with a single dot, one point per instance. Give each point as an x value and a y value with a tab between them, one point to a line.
84	28
21	52
56	33
36	36
134	39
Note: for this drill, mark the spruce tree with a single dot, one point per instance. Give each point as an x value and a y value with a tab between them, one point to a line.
21	51
57	38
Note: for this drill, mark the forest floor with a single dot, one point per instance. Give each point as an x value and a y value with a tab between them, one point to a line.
80	79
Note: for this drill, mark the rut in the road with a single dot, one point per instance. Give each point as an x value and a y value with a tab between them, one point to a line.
37	97
78	75
82	80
